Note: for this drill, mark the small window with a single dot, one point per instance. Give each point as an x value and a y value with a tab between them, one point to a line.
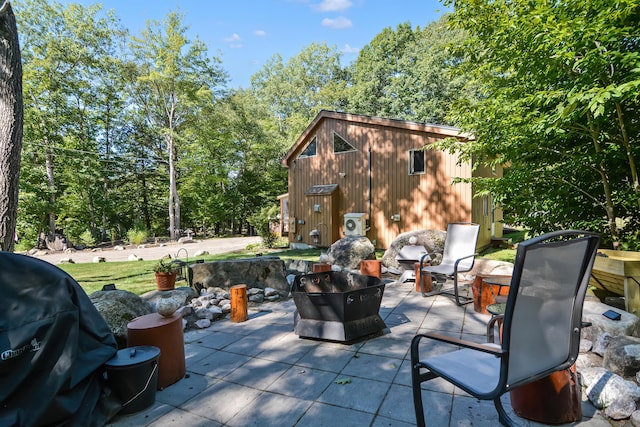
417	162
340	145
310	151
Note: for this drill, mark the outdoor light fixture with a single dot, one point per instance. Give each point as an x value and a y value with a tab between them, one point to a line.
315	235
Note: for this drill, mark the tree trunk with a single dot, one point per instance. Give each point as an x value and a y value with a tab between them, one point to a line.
11	120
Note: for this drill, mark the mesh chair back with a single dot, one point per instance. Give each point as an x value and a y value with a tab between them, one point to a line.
461	241
544	307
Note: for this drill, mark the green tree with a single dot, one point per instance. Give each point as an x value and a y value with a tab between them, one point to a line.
66	54
406	73
558	104
176	79
297	90
10	126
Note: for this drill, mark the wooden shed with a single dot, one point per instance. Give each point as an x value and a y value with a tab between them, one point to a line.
353	174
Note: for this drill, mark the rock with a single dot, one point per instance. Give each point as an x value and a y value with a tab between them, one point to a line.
40	253
585	346
202	323
254	272
588	360
203	313
254	291
258	298
269	292
622	356
635	418
603	387
490	266
118	308
201	252
226	308
432	240
184	240
629	324
349	251
620	409
134	257
67	261
602	343
99	259
118	248
298	266
272	298
183	294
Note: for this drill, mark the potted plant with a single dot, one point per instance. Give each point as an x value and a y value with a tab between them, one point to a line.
166	273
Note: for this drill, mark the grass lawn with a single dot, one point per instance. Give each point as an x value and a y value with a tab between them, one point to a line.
138	277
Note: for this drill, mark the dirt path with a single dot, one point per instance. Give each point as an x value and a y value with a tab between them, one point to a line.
213	246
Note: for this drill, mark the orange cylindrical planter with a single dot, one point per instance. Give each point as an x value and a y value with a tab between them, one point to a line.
238	295
166	334
320	267
371	267
428	285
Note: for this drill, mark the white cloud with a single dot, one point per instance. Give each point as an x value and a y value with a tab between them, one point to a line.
235	45
333	5
260	33
338	23
349	49
234	38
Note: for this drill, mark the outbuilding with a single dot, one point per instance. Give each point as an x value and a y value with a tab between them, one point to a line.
352	174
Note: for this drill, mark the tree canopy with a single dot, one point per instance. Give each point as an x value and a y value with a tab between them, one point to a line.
555	89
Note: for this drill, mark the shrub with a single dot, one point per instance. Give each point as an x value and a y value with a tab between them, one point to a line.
136	236
86	238
262	221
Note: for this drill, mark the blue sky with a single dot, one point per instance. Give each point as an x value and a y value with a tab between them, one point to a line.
245	34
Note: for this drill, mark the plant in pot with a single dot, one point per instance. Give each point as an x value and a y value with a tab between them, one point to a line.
166	273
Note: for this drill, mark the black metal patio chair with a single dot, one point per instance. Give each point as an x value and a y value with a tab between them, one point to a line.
540	331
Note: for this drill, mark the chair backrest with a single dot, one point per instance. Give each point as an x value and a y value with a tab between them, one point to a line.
543	316
461	241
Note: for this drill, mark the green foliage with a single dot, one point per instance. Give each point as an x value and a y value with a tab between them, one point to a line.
557	104
262	221
136	236
86	238
164	265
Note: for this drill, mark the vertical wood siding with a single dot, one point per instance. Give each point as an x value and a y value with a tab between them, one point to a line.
426	201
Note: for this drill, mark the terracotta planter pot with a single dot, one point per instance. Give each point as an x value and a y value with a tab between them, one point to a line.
166	281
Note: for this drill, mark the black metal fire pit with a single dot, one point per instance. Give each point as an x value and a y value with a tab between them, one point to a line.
337	306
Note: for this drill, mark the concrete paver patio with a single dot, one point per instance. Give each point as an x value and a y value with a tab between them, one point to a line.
259	373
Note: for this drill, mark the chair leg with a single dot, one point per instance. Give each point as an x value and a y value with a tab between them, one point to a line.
504	418
466	300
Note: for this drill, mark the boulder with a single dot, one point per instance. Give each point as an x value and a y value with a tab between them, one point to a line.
432	240
259	272
604	387
347	252
622	356
629	324
184	294
118	308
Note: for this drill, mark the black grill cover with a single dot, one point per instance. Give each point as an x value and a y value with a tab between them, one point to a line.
53	343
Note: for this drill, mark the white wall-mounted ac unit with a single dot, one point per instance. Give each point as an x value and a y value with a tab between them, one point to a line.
354	224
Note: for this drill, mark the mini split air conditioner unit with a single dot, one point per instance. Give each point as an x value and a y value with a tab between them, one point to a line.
354	224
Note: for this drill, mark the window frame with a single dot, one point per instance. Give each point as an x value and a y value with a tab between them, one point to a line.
333	143
314	141
411	166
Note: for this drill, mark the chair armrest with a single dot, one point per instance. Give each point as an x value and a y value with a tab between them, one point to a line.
490	325
491	349
455	265
422	259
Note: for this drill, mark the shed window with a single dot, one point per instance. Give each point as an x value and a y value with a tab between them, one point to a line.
340	145
417	162
311	149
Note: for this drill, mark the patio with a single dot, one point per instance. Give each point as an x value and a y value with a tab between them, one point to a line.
259	373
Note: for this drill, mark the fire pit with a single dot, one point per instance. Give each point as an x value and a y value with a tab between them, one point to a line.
337	306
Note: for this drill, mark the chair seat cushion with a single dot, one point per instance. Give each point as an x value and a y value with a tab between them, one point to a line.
474	371
439	269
